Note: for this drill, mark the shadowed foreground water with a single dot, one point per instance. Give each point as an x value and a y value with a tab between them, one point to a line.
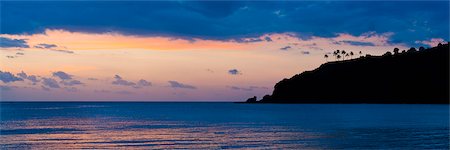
222	125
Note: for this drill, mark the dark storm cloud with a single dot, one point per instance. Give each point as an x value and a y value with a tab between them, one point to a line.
12	43
224	20
176	84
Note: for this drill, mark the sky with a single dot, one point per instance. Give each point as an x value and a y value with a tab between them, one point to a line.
193	50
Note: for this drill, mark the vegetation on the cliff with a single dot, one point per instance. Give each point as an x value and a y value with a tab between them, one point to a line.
409	76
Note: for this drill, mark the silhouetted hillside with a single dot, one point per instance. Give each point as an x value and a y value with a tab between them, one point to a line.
407	77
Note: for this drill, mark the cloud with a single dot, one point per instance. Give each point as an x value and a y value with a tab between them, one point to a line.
45	46
139	84
13	43
240	88
10	57
92	79
22	74
234	72
8	77
176	84
52	83
250	88
120	81
432	42
268	39
358	43
45	88
227	20
63	51
279	13
305	52
285	48
143	82
20	53
62	75
32	78
71	82
247	40
71	89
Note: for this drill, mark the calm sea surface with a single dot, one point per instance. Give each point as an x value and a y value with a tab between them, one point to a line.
132	125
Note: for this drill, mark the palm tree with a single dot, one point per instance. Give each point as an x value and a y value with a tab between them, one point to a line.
360	53
326	57
343	54
335	53
338	56
351	55
396	50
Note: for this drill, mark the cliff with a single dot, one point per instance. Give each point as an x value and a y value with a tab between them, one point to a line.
413	77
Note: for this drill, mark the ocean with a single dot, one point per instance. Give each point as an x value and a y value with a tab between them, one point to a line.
154	125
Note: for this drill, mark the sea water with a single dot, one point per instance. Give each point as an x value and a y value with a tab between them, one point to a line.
151	125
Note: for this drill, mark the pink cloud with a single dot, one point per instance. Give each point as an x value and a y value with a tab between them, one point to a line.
431	42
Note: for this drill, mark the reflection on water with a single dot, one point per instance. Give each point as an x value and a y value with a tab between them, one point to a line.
106	133
219	126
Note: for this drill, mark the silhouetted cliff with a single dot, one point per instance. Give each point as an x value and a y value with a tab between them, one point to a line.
407	77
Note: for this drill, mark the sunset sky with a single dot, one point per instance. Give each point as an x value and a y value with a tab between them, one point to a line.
193	51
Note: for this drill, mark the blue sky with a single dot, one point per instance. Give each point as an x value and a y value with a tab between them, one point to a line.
408	20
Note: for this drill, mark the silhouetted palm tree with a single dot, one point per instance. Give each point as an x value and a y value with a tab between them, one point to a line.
343	54
335	53
326	57
338	57
396	50
360	53
351	55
